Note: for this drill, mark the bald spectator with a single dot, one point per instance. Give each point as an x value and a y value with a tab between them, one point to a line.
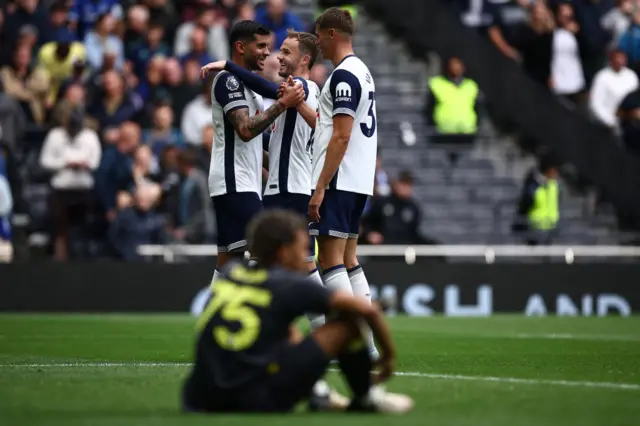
216	35
276	16
114	107
115	172
102	40
198	48
178	91
196	116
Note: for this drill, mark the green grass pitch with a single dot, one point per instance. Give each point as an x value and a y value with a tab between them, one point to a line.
126	370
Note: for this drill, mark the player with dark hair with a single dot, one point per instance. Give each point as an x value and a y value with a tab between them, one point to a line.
344	159
235	175
289	181
251	358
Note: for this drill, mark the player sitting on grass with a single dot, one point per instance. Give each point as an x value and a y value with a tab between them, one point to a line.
251	358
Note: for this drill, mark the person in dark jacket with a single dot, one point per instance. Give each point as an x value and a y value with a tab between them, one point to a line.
395	219
136	225
115	172
114	107
195	221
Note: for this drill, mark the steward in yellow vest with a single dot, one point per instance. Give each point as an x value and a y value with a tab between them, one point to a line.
452	103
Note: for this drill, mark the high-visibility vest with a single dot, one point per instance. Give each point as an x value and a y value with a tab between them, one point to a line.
454	112
545	213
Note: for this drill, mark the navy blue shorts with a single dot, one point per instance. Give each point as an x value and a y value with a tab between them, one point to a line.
233	214
340	214
298	203
298	368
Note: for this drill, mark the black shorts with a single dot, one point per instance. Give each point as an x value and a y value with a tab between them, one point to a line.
298	368
298	203
233	213
340	214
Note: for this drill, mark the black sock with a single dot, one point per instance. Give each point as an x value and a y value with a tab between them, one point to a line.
356	365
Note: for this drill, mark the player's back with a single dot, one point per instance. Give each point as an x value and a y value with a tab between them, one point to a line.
246	323
236	166
349	90
289	148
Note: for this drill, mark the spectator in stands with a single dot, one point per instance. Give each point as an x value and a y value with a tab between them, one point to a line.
192	74
144	50
145	169
196	116
195	221
102	40
57	23
245	11
163	133
74	98
163	11
630	43
137	24
617	21
593	39
538	211
319	74
217	41
115	172
506	22
79	76
198	48
84	13
6	209
114	107
278	19
395	219
535	44
137	225
13	121
177	89
629	115
25	14
71	153
58	58
382	187
204	155
452	104
567	76
150	88
27	84
610	86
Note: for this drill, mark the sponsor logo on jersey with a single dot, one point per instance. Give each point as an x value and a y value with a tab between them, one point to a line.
343	91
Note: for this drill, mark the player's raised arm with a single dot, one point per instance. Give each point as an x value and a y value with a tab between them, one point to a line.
261	86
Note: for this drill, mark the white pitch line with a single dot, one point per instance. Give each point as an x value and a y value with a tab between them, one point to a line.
514	380
569	336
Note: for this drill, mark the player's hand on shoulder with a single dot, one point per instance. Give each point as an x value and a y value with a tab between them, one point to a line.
212	67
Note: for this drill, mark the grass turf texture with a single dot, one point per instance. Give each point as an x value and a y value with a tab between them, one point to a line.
507	370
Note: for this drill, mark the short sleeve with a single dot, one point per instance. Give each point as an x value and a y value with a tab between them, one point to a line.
304	296
229	92
345	91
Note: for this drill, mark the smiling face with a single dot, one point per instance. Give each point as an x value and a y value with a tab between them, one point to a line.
255	52
289	57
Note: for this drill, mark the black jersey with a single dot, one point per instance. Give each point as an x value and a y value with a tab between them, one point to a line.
246	322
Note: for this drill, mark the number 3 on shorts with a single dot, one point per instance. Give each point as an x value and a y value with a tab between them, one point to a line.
231	301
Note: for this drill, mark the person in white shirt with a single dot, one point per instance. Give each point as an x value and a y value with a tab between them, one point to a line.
289	179
196	116
566	67
344	157
610	86
71	153
235	174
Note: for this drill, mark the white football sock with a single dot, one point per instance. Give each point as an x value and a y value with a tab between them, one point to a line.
360	287
336	278
316	321
216	276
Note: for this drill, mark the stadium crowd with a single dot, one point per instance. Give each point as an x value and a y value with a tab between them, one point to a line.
101	102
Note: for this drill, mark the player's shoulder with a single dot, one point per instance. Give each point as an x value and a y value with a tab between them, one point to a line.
226	81
241	273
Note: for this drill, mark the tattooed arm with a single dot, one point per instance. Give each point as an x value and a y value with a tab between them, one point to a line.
250	127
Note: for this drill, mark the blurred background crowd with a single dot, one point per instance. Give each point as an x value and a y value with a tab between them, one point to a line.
106	133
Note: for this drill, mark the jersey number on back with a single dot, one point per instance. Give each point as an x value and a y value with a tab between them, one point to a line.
366	130
231	302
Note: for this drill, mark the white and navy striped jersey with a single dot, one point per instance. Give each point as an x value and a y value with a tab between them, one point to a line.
289	148
236	166
349	90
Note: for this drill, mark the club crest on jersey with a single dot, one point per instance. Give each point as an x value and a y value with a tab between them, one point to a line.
232	83
343	91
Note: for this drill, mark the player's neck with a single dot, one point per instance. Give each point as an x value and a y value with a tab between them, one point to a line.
341	53
238	60
302	72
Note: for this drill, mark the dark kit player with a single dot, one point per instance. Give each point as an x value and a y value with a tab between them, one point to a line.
249	355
